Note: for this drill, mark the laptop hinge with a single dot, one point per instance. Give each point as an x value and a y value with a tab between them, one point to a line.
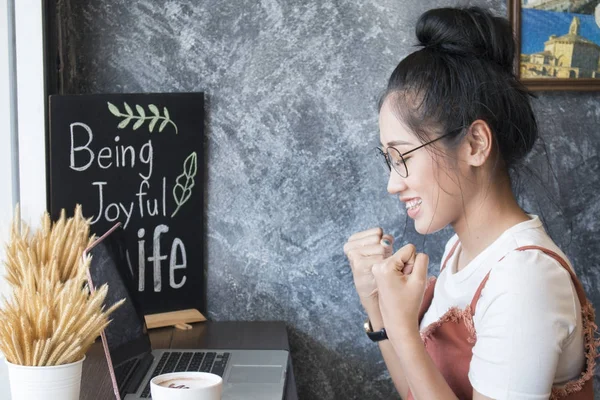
139	373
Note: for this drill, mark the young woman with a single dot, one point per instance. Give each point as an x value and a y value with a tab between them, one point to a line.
507	318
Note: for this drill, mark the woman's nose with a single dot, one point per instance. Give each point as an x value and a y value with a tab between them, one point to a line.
396	183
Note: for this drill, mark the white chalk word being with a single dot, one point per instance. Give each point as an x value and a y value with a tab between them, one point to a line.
119	156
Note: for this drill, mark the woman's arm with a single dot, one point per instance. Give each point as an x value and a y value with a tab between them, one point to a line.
364	249
392	361
400	298
426	380
423	377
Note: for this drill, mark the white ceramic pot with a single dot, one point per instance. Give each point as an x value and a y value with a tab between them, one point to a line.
61	382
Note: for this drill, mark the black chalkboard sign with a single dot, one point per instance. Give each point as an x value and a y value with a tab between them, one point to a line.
137	159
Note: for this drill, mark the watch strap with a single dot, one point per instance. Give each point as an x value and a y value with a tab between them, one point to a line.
378	336
375	336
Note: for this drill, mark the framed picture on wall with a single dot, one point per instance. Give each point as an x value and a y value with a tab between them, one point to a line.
558	43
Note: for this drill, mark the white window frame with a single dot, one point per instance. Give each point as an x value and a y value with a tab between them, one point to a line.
22	116
8	172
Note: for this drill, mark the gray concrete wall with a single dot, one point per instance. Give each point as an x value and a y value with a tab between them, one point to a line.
292	88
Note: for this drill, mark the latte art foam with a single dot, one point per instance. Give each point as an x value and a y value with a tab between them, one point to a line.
186	386
186	383
176	386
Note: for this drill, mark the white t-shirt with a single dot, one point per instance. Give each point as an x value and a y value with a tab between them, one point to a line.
528	318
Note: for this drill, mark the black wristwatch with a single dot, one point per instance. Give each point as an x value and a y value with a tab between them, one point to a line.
375	336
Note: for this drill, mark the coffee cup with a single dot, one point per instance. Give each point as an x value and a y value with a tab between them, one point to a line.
186	386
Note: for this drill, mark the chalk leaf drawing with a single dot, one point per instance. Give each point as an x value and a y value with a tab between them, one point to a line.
141	117
185	182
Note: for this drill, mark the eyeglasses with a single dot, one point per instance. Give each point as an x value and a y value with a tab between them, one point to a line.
394	159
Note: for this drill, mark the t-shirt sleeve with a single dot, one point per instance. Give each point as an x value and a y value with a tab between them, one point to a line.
526	312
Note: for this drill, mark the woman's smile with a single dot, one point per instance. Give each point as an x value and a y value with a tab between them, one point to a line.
413	206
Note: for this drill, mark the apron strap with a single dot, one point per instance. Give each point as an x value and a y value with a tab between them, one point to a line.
450	253
562	262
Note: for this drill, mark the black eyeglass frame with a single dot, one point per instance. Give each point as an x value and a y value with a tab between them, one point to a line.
387	157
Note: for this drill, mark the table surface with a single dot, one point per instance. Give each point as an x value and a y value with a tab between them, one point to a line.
96	384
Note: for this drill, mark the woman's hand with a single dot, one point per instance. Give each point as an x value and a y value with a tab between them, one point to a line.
401	281
364	249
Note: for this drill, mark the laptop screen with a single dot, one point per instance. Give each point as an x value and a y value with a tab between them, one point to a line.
126	335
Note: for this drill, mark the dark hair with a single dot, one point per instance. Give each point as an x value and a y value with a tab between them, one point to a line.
464	72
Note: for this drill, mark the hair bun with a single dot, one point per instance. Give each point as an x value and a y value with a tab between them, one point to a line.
468	32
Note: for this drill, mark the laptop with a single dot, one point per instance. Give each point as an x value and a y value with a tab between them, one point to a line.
247	374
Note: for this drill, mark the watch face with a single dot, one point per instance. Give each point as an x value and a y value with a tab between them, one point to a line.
367	326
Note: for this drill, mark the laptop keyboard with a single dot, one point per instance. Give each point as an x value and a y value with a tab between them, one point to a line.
175	361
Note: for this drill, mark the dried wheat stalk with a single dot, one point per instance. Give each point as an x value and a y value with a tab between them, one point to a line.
52	318
55	246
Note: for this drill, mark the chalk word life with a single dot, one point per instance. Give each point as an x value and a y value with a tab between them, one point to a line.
177	253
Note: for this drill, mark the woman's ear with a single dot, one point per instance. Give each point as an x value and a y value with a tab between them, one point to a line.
478	141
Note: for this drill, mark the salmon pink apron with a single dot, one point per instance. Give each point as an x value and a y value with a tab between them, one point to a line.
450	340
